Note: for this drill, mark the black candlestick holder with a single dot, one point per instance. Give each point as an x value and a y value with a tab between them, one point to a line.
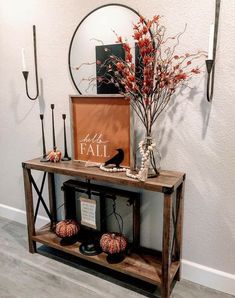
44	156
54	155
26	73
53	126
210	63
210	79
66	156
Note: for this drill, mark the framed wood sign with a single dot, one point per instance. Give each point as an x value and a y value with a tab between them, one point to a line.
101	124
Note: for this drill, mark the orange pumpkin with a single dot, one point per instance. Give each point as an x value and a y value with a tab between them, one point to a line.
54	156
113	243
67	228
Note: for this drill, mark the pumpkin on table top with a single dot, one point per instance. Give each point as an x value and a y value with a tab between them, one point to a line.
54	156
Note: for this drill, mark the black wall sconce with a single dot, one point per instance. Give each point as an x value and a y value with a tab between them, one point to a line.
210	62
26	72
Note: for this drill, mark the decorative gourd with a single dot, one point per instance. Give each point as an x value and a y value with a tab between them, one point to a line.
67	228
113	243
54	156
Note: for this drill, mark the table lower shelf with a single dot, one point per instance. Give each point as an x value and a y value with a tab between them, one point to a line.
144	266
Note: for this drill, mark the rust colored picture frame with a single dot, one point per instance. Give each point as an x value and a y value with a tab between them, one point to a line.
101	124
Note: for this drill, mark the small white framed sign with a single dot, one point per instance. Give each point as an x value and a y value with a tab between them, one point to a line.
88	212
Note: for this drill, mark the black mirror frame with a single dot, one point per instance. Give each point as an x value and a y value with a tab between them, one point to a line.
70	46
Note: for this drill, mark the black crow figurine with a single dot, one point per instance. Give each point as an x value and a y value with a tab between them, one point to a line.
116	159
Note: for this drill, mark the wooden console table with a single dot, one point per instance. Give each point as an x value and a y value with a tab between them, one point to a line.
159	268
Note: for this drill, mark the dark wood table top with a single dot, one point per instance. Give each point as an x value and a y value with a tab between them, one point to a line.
166	182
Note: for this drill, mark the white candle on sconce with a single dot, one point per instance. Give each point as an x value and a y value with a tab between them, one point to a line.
23	59
211	42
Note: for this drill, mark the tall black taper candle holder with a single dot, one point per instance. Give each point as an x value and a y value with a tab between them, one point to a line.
66	156
53	126
44	157
26	73
54	155
210	63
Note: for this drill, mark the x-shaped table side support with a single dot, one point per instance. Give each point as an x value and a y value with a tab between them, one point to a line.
29	185
40	198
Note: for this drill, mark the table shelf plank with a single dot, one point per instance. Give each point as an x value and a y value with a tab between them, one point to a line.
144	266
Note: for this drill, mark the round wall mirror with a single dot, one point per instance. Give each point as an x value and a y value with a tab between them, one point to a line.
98	30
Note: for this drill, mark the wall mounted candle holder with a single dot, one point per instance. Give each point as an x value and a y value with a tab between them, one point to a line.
210	62
26	72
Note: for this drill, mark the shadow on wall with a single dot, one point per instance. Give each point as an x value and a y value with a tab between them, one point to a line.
165	132
205	110
16	98
15	101
41	100
151	220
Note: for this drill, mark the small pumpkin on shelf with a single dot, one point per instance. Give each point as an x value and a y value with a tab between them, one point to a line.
114	244
67	229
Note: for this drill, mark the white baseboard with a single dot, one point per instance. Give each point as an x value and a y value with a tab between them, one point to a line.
20	215
206	276
209	277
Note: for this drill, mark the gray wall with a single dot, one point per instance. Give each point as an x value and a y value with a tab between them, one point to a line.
194	136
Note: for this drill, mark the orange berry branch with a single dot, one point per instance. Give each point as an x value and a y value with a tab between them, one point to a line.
159	74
